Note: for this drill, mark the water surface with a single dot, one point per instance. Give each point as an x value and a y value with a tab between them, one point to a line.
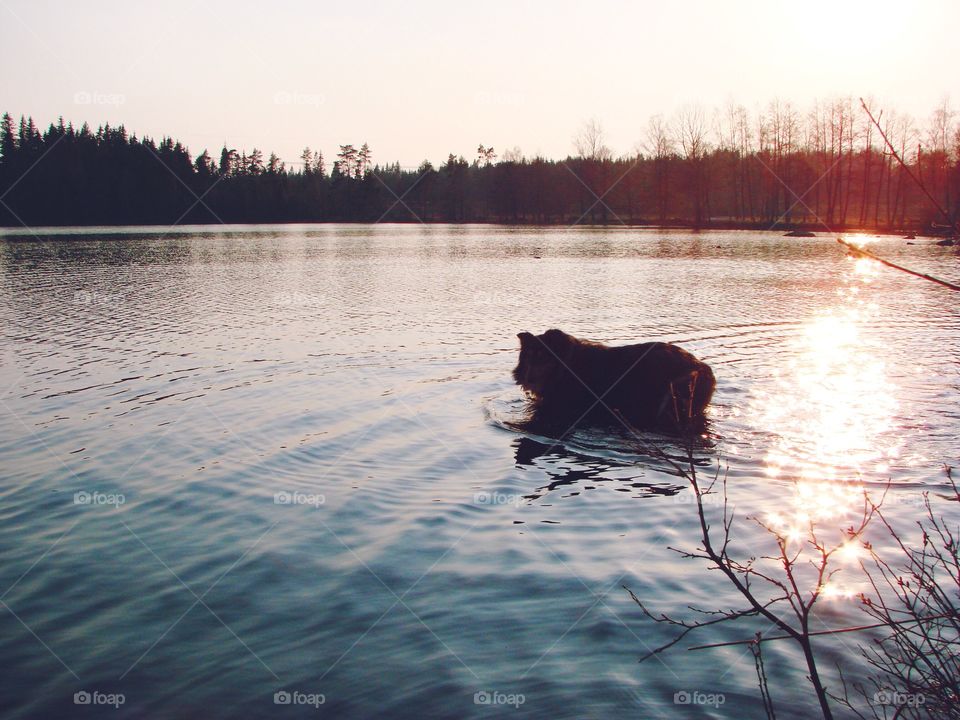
238	461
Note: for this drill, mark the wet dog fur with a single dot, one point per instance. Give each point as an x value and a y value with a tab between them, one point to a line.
653	385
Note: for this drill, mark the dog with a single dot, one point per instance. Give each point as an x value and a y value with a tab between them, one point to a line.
653	385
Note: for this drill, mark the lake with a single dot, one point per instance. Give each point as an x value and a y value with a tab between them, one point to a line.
241	461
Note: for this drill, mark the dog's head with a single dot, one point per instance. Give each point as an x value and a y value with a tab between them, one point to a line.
544	360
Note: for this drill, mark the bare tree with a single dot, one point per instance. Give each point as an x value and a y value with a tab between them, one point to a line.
589	141
692	131
658	143
741	141
513	155
916	601
937	152
782	587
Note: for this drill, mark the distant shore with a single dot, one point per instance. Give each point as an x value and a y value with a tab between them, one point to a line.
799	229
65	176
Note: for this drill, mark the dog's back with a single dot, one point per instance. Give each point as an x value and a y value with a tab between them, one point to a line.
660	384
652	384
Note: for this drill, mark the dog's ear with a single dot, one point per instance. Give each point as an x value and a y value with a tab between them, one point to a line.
525	339
556	340
560	345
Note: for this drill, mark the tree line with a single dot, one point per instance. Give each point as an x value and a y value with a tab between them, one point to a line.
777	166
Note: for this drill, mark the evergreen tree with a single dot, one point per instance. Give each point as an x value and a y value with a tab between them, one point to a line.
8	141
306	159
255	162
274	165
204	165
348	159
363	160
228	161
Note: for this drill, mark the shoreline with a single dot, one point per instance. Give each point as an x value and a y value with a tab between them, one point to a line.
784	228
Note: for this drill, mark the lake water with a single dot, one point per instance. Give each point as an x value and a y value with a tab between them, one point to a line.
242	461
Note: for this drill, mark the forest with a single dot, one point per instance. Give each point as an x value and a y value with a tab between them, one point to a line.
825	167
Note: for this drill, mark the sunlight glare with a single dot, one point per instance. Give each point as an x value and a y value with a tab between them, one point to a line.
831	413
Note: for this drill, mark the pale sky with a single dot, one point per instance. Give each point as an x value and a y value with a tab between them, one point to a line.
420	79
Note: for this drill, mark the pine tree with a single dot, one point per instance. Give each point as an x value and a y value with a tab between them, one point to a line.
348	159
274	165
29	140
363	160
255	162
8	141
485	156
204	165
228	161
306	158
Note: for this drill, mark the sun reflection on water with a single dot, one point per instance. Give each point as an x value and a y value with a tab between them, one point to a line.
832	404
830	413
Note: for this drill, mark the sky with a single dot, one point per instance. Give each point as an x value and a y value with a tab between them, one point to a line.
420	79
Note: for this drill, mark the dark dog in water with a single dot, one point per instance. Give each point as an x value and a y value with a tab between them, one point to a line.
652	385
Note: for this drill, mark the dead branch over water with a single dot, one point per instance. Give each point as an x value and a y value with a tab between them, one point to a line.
860	252
917	664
